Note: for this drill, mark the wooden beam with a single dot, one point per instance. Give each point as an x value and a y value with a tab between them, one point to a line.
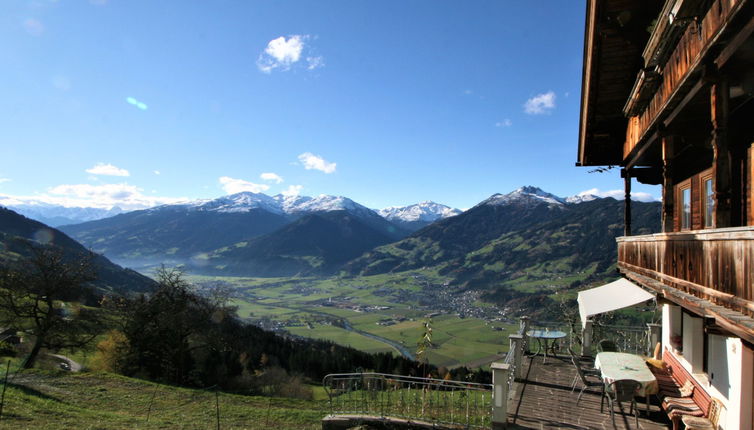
729	300
685	101
733	46
638	153
627	202
722	158
738	324
668	191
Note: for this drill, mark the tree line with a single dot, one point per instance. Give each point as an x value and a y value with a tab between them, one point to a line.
176	333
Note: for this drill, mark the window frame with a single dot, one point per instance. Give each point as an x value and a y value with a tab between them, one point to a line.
708	220
682	187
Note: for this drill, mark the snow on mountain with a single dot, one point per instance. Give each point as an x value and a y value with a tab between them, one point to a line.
581	198
57	215
524	195
321	203
426	211
239	202
280	204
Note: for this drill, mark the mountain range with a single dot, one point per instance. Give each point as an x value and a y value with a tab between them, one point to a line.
253	234
56	215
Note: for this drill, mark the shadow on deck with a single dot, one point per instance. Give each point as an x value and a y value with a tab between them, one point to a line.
543	400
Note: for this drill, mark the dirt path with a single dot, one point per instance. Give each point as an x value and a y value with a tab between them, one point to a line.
66	363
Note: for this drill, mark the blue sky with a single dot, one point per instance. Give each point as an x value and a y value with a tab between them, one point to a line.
386	102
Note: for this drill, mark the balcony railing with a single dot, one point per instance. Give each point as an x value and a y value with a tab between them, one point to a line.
452	404
685	59
715	265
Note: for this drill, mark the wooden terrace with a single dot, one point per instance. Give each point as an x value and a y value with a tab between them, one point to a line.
543	400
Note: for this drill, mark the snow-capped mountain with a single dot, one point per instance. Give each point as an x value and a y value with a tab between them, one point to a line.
57	215
234	203
426	211
581	198
279	204
526	195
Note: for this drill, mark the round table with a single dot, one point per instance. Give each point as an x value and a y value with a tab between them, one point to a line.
546	336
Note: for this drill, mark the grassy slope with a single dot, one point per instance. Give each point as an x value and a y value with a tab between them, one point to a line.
53	400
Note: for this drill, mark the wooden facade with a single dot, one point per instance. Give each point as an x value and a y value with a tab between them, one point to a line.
690	130
688	125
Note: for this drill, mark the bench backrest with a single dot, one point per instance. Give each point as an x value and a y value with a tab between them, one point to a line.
681	375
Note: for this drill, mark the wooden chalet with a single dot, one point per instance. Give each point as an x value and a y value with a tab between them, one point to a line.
668	97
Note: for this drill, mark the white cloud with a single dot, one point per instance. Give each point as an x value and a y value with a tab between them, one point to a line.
283	53
156	172
504	123
540	104
620	195
104	196
232	185
315	62
468	92
107	169
292	190
271	177
33	27
315	162
2	180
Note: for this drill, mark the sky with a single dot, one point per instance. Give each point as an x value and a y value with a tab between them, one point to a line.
136	103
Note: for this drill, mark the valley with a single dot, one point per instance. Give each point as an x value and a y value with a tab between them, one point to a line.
377	313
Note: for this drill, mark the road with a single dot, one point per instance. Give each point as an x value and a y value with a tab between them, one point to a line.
66	363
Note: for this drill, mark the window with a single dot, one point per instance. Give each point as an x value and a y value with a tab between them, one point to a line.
686	208
708	201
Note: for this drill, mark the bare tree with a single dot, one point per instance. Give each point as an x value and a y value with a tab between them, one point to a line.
42	296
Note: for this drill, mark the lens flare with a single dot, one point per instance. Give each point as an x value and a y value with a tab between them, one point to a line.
44	236
138	104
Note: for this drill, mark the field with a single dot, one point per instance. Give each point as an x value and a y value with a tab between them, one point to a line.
43	400
375	314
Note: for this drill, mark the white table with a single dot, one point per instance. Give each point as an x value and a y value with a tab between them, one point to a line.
615	366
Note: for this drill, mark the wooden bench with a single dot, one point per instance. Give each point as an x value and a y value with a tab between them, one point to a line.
670	381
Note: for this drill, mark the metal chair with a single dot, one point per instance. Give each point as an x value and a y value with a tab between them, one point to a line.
607	345
622	390
585	382
588	371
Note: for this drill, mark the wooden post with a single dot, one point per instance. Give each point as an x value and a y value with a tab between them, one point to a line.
627	202
668	192
722	161
517	347
655	331
499	395
586	339
523	328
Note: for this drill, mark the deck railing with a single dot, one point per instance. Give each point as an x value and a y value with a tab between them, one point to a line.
449	403
435	401
632	339
685	59
715	265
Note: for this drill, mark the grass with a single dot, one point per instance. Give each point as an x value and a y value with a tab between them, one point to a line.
341	336
53	400
296	303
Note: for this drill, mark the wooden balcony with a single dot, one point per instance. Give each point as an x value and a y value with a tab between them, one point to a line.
714	265
686	60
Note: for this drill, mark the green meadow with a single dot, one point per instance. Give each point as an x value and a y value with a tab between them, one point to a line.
386	305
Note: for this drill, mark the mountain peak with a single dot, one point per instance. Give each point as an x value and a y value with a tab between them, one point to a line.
524	195
426	211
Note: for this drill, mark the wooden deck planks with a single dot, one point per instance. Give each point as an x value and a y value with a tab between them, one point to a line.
544	401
